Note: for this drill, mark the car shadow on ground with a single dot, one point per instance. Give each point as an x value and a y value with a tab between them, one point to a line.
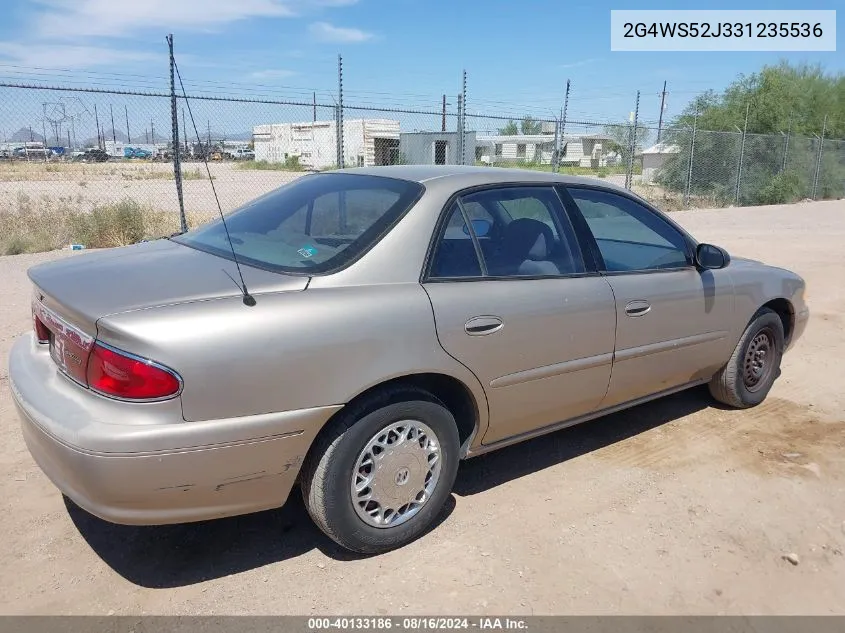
487	471
160	557
185	554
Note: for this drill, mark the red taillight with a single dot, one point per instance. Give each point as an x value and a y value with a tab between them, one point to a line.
41	331
120	375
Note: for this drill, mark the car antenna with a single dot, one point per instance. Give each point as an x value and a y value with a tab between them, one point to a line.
248	299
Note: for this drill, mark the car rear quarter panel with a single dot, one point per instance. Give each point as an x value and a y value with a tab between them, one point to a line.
292	350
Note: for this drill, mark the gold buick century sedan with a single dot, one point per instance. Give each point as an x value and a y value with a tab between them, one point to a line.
390	322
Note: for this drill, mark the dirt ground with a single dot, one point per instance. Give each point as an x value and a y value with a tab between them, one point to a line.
674	507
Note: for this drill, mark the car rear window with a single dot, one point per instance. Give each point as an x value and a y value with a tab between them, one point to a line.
315	224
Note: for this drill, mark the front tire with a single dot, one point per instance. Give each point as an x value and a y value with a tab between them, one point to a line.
381	472
748	376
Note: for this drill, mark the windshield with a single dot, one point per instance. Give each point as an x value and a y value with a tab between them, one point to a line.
315	224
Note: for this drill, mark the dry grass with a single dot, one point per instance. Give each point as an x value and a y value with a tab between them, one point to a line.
49	225
23	171
673	201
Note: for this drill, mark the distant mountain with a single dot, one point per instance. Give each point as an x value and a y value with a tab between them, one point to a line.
25	134
240	136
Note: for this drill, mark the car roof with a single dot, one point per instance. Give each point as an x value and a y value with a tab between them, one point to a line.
460	176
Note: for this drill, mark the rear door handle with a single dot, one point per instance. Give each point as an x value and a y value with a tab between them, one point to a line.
637	308
480	325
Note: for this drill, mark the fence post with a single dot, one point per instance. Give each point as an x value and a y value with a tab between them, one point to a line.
741	155
691	154
629	174
786	146
174	121
463	121
819	159
459	150
340	164
44	134
559	142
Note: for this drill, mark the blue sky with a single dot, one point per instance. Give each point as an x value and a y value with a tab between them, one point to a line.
404	53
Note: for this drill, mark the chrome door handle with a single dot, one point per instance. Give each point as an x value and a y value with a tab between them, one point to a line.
480	325
637	308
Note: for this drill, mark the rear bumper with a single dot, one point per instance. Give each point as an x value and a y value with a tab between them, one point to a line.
149	473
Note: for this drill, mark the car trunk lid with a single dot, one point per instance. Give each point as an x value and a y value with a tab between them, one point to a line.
70	295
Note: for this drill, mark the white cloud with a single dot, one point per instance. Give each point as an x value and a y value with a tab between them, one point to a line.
326	32
60	56
272	73
582	62
72	19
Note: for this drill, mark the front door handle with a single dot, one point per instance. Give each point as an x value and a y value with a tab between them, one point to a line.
480	325
637	308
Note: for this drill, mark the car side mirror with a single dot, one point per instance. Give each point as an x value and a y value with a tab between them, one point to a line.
711	257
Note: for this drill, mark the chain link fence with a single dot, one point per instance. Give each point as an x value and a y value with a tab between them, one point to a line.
73	159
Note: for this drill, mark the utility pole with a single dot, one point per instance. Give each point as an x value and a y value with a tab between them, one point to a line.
113	132
662	107
443	124
153	131
126	112
314	102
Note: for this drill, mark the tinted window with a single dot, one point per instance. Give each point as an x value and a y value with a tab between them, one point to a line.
525	233
455	255
316	223
629	236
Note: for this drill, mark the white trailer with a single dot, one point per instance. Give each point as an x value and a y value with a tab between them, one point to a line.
366	142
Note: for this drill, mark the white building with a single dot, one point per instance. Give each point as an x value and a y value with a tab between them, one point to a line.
654	158
589	150
366	142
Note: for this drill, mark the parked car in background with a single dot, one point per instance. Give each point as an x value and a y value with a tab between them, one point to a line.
243	154
93	155
394	320
32	153
136	152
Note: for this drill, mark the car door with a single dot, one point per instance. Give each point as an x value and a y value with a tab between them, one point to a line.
673	320
515	303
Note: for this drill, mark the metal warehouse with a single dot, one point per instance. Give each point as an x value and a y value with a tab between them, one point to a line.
366	142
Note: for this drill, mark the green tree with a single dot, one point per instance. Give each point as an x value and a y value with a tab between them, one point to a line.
509	129
530	126
620	136
786	108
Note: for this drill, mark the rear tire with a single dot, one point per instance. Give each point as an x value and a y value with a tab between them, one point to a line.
754	366
378	476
